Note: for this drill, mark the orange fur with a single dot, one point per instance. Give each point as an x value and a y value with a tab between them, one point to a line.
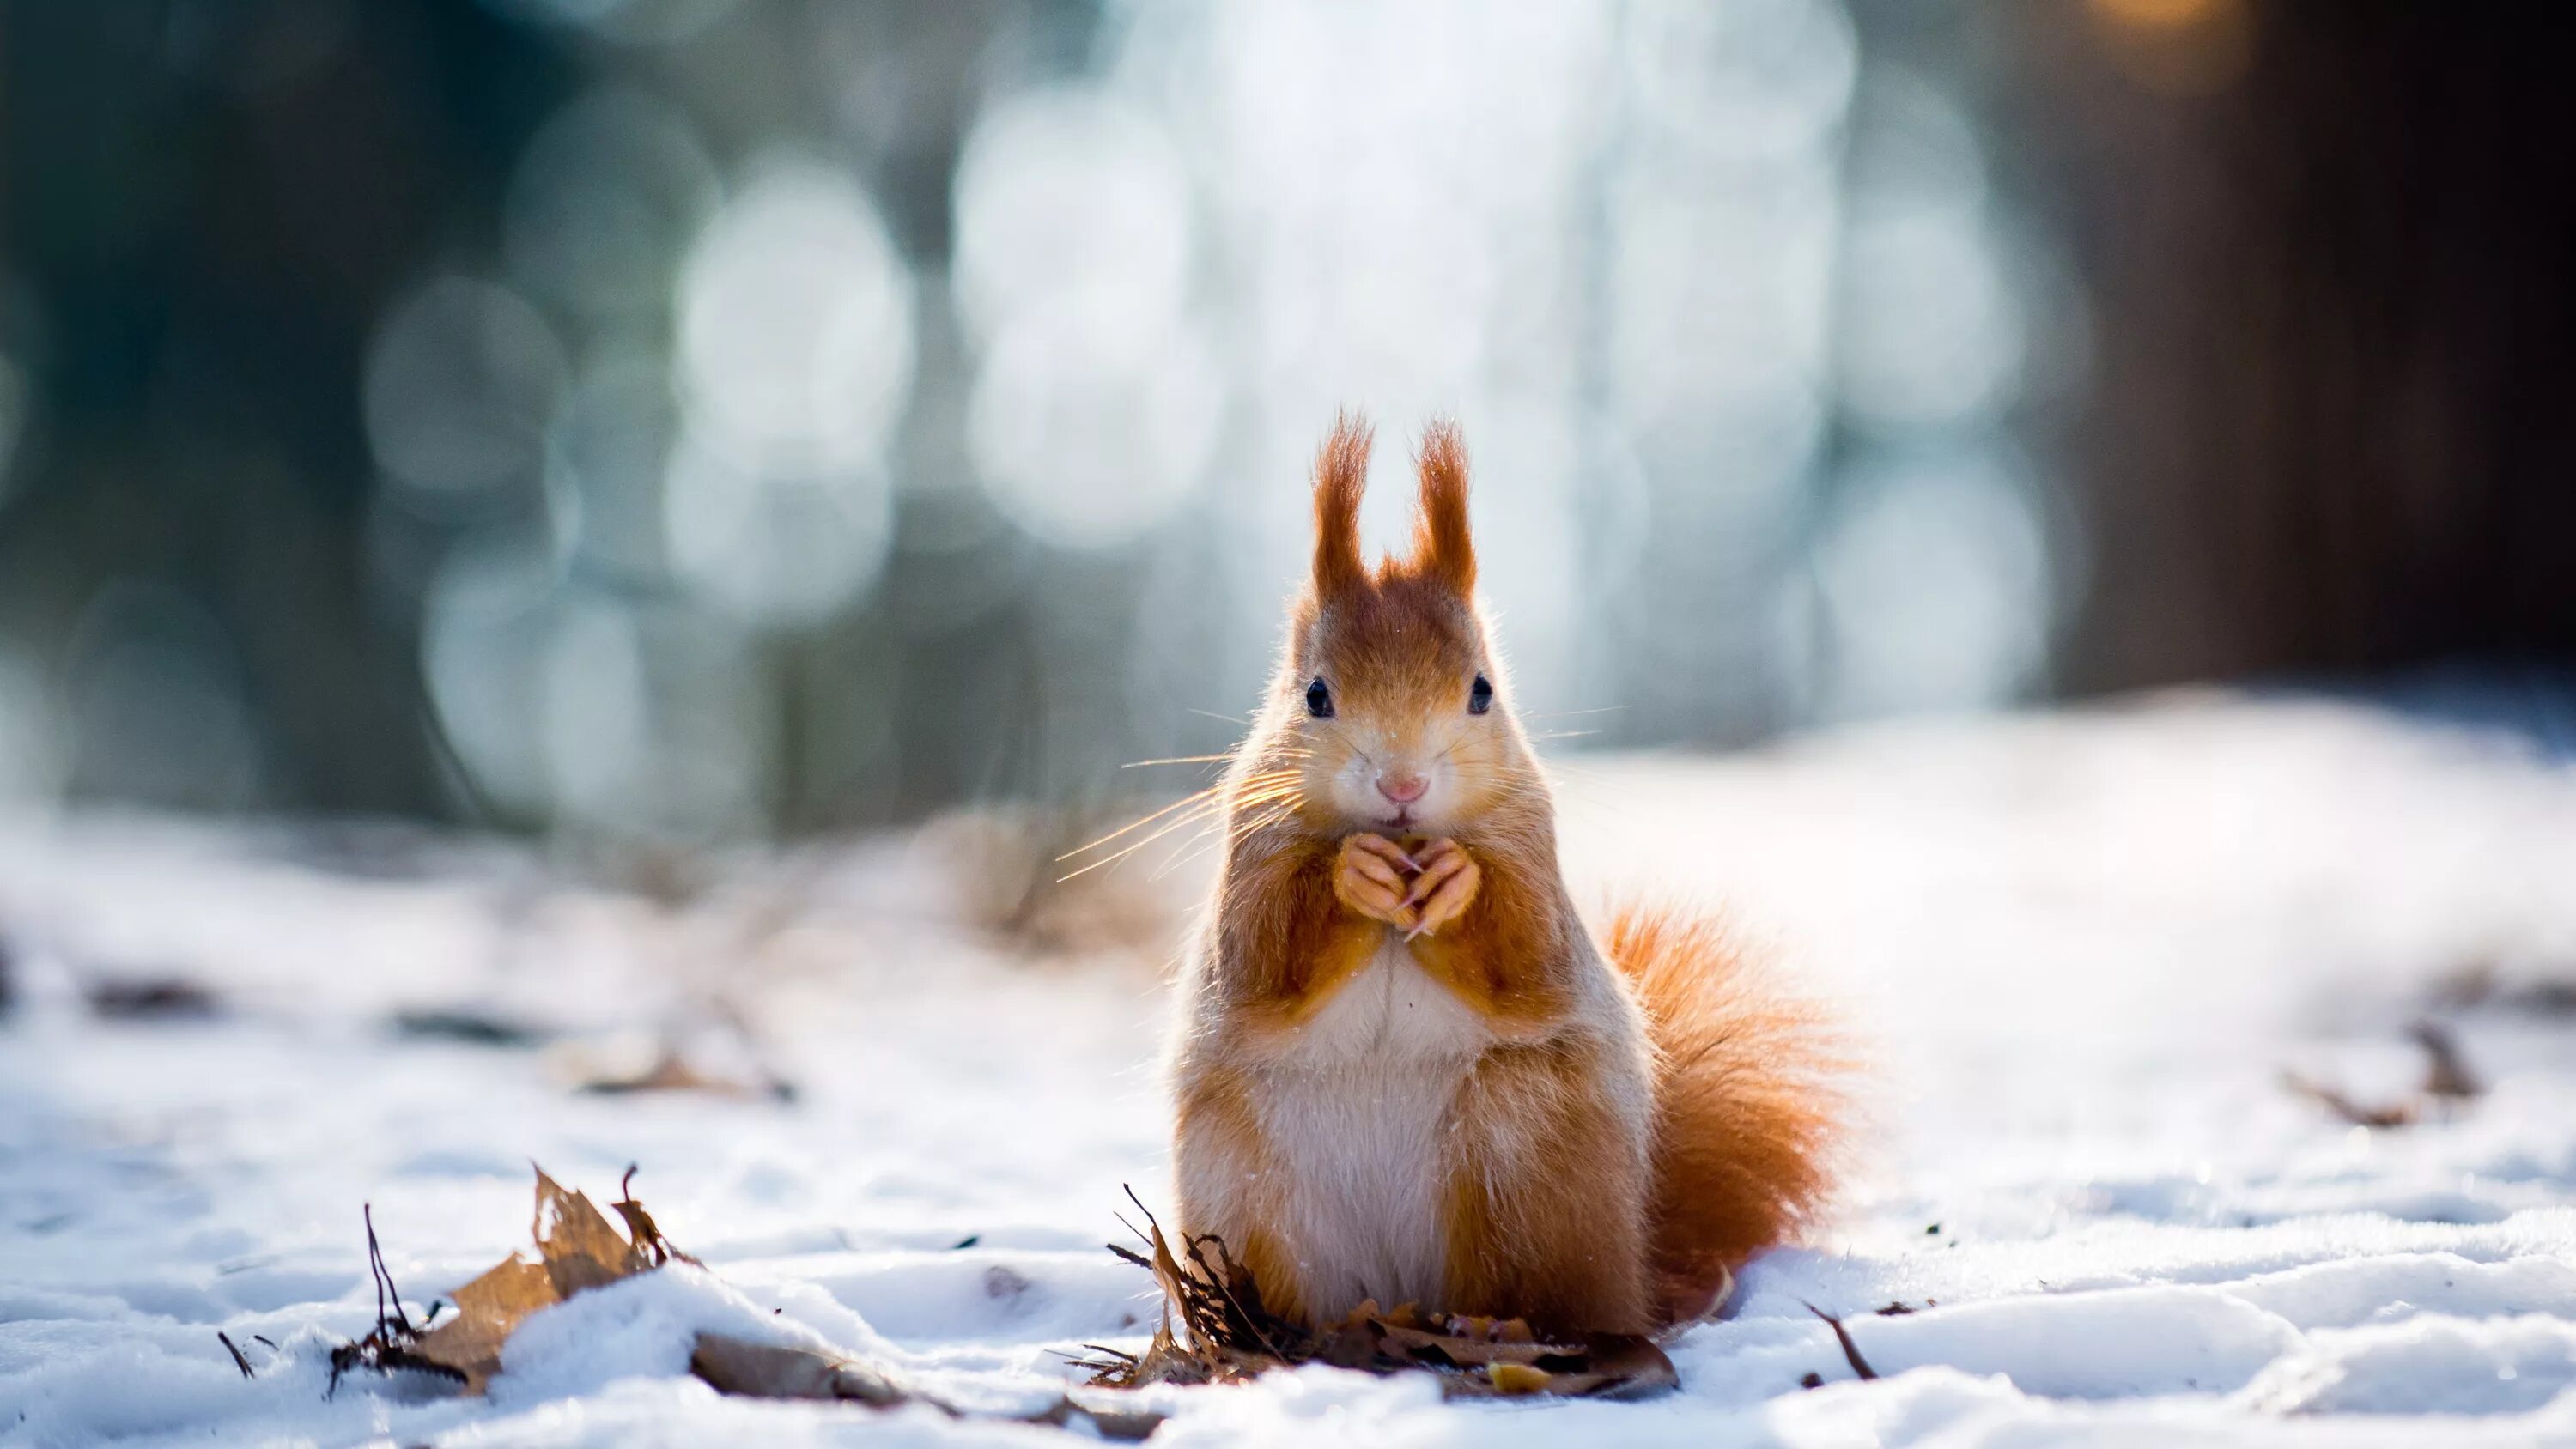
1536	1228
1500	956
1441	540
1746	1113
1341	473
1405	1069
1214	1122
1295	941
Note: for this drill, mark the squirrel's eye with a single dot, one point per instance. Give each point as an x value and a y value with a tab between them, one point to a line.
1319	700
1480	695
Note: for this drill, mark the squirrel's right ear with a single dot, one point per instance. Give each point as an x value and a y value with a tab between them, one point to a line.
1441	547
1341	474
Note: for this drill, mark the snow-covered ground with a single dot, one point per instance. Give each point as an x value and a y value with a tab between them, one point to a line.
2083	949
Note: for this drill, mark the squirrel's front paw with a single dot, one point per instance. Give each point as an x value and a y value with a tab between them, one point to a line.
1369	877
1444	889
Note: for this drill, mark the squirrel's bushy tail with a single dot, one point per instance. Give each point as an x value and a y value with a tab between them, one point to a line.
1748	1108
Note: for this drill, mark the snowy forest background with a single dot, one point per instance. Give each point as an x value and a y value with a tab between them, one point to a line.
714	419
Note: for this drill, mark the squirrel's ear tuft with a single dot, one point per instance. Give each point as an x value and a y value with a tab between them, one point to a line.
1341	474
1441	546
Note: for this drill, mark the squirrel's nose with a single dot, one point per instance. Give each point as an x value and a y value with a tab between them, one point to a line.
1403	787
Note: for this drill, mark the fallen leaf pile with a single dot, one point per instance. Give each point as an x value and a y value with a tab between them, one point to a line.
578	1249
1216	1330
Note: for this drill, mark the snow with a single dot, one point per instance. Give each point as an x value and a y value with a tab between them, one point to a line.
2081	949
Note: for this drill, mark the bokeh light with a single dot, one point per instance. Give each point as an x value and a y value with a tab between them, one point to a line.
1935	582
1932	326
485	626
1751	81
155	703
1066	193
1933	331
1095	402
30	737
460	382
606	449
795	321
931	389
773	545
2180	47
650	720
604	202
1089	433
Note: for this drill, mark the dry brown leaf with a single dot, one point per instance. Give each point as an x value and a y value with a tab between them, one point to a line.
1624	1367
774	1371
1215	1329
1466	1350
581	1250
486	1310
769	1371
672	1072
577	1250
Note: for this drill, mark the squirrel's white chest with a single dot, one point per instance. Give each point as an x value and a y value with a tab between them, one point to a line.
1355	1107
1389	1008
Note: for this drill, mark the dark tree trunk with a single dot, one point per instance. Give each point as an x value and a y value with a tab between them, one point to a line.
2330	252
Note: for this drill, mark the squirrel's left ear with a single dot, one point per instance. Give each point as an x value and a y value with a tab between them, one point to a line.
1341	472
1441	546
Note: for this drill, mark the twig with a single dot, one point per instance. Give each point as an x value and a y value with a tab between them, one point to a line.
388	1345
385	1290
2446	1074
1216	1329
239	1362
640	1227
1842	1335
2395	1114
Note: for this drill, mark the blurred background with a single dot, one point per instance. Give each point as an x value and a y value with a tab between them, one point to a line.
710	420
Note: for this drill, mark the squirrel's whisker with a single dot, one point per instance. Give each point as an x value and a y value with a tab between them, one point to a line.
1193	818
1192	798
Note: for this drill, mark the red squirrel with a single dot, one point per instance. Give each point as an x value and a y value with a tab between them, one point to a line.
1406	1070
